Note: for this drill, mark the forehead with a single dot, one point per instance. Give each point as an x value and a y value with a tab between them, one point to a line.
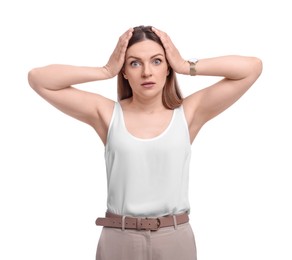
144	49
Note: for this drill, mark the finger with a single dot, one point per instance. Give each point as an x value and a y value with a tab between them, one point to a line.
155	30
159	33
122	44
127	35
163	37
124	39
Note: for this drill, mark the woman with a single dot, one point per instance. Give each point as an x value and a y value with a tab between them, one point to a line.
147	136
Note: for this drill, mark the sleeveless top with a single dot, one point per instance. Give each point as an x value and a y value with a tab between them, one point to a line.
148	177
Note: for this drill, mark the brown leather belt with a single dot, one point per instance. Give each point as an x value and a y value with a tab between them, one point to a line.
152	224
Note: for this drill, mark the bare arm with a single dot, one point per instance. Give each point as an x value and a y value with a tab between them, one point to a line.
57	77
238	73
55	84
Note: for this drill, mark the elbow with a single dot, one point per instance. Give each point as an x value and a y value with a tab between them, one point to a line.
257	66
32	78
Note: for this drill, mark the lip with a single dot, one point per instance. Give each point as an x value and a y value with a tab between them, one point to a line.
148	84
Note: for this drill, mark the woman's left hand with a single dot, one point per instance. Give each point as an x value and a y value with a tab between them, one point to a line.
177	63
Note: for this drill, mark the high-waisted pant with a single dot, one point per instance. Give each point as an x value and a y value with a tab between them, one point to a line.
168	243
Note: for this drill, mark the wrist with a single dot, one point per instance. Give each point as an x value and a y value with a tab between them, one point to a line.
105	72
192	66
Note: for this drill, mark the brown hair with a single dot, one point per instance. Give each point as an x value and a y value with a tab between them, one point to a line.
171	96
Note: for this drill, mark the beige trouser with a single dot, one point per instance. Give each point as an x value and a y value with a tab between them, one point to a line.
165	244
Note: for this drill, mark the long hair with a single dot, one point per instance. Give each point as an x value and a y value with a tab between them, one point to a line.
171	95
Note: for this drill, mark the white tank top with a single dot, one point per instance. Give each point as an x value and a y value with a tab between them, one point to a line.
148	177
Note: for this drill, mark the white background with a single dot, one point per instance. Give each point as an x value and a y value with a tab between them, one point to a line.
52	175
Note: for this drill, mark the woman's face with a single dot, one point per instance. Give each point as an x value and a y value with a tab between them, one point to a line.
146	68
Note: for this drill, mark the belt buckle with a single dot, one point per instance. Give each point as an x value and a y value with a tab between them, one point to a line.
157	227
158	224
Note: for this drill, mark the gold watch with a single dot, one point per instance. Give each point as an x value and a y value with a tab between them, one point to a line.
193	63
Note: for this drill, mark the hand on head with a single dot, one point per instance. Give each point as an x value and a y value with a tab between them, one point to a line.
172	54
116	60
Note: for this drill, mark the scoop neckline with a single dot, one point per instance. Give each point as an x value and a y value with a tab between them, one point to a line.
145	139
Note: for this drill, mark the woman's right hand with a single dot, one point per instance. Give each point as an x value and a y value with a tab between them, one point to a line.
116	60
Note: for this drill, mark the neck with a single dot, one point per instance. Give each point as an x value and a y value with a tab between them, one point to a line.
147	105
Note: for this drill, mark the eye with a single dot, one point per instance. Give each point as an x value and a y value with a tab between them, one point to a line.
134	63
157	61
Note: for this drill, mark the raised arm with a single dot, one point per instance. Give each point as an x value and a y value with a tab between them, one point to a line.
55	84
238	74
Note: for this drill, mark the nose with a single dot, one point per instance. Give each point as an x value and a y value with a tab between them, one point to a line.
146	71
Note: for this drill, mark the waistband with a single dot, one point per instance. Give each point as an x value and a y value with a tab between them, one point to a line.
142	223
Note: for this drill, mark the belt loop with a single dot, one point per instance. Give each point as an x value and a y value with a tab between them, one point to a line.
174	222
123	222
139	224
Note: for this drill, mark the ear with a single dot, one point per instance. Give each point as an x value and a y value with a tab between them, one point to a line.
123	72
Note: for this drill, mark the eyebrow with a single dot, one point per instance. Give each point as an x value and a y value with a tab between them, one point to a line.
137	58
